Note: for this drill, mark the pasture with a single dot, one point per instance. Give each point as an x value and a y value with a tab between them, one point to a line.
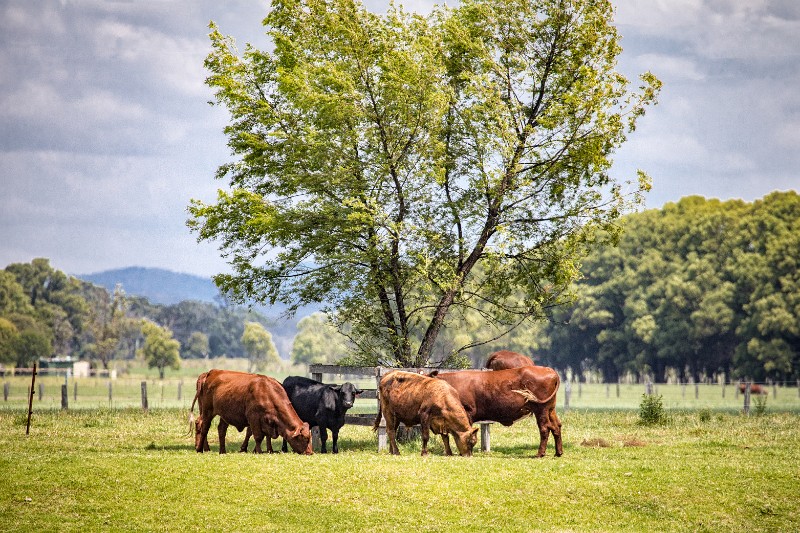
128	470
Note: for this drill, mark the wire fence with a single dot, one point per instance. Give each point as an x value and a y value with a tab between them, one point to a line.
59	392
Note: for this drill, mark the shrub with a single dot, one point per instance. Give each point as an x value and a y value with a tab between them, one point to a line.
705	415
651	410
759	404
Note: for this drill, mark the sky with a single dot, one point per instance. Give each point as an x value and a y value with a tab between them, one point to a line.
106	133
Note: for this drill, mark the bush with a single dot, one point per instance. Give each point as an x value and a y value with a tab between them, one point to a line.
705	415
759	404
651	410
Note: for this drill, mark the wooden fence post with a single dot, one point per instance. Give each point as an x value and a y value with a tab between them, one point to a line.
144	395
648	388
608	390
316	443
41	391
75	390
6	388
64	397
618	387
696	390
486	445
567	393
382	424
747	398
180	386
109	393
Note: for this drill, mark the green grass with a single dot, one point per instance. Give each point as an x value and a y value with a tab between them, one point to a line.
125	470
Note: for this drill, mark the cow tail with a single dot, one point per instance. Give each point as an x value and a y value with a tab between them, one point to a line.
200	382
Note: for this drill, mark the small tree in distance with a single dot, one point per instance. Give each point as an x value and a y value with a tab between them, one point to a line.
259	347
317	341
160	350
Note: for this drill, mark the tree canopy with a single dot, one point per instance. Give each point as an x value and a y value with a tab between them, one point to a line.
700	287
406	170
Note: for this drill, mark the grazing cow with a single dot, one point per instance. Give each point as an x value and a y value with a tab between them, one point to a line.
247	400
507	359
505	396
321	405
754	388
433	404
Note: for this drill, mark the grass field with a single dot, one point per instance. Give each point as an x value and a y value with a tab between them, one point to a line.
126	470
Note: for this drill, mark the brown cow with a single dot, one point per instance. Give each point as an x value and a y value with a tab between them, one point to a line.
504	359
247	400
433	404
505	396
754	388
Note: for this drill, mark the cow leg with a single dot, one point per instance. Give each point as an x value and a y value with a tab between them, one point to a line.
258	436
335	439
543	421
246	442
555	427
201	435
446	443
425	430
222	430
391	431
285	446
323	439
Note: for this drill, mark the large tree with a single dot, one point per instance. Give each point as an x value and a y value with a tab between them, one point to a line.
404	169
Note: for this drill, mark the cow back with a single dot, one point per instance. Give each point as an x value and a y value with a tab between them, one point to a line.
504	359
494	396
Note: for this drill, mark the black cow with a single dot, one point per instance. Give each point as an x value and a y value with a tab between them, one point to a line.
321	405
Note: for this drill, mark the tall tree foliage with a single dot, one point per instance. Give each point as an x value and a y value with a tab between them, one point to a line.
699	287
380	160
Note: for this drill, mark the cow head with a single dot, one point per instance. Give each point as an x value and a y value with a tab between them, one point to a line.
466	441
347	393
300	439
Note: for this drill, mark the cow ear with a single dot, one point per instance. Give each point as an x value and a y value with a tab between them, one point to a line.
336	388
358	391
433	374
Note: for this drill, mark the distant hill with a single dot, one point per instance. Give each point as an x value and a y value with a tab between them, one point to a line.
165	287
157	285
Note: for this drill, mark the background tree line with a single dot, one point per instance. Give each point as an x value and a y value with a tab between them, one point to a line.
698	288
44	313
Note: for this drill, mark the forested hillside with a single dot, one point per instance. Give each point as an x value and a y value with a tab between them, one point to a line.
44	312
694	289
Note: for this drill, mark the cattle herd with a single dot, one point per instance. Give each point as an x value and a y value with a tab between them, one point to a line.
445	403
